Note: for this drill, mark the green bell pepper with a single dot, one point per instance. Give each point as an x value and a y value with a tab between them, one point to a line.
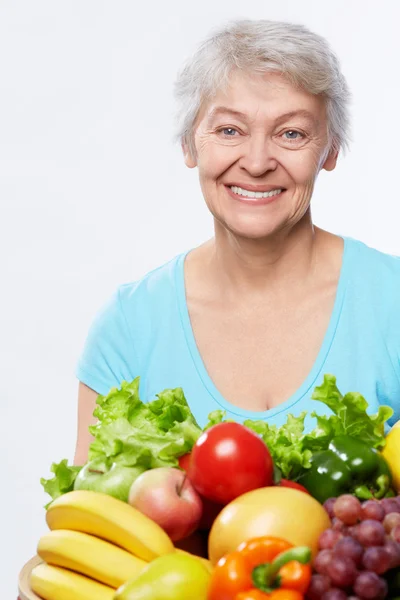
349	466
393	580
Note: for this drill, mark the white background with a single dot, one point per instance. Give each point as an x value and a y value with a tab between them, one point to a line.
93	193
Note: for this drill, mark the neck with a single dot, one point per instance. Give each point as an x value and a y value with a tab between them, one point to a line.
244	266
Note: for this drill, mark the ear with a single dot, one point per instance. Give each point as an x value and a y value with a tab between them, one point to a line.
331	160
190	160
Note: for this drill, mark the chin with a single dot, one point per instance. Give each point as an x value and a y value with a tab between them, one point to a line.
252	230
253	223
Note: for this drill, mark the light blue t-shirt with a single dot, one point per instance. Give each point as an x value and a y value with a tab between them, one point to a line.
145	330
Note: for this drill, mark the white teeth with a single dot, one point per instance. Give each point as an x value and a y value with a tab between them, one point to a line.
248	194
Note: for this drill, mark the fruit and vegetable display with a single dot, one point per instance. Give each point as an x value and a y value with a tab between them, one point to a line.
286	514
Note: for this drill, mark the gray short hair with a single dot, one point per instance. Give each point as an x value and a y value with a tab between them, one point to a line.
259	46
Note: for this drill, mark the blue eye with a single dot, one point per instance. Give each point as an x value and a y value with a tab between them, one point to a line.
229	131
291	132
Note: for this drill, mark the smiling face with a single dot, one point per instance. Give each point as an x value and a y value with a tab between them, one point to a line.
260	145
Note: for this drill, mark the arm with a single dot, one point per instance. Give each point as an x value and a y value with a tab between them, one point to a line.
86	405
107	359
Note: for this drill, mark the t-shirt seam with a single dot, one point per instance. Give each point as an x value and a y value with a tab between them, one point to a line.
346	253
180	293
181	300
333	338
82	369
148	275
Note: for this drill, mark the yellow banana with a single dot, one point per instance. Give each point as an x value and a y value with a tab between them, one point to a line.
391	453
89	556
204	561
111	519
55	583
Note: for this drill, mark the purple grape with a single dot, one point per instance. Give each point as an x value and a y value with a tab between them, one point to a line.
328	538
319	584
328	505
322	560
377	559
372	509
342	571
395	533
370	533
394	550
338	525
347	508
351	529
390	505
390	521
369	586
348	547
334	594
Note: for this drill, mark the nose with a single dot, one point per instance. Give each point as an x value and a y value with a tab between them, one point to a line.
258	157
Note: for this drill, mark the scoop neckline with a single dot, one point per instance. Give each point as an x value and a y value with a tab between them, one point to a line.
311	378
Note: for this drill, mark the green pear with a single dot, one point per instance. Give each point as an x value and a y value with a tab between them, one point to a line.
103	475
172	576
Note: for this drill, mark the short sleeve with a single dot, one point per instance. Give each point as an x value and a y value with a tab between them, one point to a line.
108	355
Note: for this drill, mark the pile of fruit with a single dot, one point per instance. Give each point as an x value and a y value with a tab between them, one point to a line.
285	515
359	554
101	548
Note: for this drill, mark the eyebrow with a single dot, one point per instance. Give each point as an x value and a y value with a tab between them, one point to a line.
218	110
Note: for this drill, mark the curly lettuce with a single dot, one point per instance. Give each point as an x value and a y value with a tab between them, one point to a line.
132	434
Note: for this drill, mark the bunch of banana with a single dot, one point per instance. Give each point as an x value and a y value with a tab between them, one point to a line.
95	544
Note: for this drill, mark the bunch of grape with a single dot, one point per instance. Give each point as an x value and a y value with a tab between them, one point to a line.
358	551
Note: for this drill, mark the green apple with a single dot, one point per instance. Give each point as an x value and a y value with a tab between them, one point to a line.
103	475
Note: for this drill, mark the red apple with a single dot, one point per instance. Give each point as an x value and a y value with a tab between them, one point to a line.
166	496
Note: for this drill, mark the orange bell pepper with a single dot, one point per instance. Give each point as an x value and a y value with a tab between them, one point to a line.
264	567
276	595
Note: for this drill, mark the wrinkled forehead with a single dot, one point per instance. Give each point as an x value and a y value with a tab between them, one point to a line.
265	96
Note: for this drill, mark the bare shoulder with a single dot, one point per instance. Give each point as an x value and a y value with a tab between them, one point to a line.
329	253
329	244
197	270
197	259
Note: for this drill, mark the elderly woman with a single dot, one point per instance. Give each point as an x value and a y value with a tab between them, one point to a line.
251	320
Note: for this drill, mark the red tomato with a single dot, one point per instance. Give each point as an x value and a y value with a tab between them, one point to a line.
229	460
184	462
210	509
294	485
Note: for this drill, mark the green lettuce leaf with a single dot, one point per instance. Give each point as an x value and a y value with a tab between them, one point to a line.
350	415
153	434
215	417
285	444
119	402
291	449
63	480
132	433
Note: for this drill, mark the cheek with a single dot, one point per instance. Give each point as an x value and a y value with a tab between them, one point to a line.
214	160
303	169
